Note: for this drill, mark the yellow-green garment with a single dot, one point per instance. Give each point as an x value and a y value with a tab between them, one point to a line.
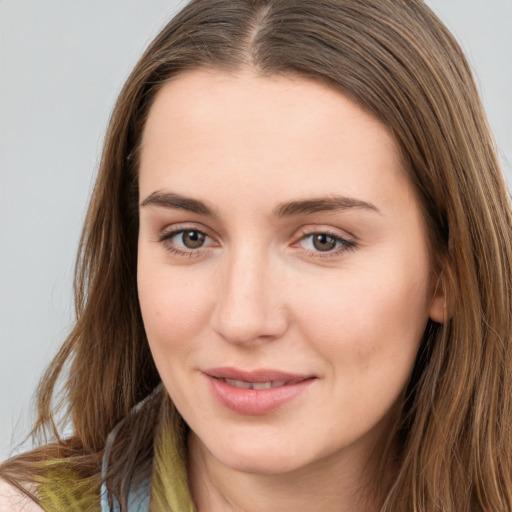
169	489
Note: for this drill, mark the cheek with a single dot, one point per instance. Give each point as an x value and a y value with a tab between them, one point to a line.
174	306
367	324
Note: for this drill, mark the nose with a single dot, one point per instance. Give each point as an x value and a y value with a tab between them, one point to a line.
250	306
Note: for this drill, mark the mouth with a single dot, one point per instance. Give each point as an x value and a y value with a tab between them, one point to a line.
256	379
256	392
242	384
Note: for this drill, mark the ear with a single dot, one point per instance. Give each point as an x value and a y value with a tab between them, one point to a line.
437	308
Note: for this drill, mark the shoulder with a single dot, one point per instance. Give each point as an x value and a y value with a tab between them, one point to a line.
13	500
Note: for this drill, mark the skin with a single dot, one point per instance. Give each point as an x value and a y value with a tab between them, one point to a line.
13	500
260	294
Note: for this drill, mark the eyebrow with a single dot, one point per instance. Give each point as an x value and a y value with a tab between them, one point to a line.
178	202
288	209
321	204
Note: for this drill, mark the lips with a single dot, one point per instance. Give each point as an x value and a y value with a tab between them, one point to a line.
256	376
242	384
255	392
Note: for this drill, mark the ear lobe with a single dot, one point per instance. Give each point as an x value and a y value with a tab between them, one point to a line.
437	308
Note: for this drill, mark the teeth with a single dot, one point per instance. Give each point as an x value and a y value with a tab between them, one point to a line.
254	385
238	383
262	385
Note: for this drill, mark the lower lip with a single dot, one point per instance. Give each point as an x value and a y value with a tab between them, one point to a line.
255	401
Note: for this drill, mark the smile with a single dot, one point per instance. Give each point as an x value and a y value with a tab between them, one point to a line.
255	385
255	392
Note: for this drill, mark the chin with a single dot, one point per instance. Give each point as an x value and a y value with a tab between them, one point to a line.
261	464
261	456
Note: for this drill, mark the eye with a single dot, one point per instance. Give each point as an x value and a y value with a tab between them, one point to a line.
322	242
329	244
191	239
185	242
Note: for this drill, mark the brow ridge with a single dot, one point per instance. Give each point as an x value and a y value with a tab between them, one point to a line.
321	204
179	202
288	209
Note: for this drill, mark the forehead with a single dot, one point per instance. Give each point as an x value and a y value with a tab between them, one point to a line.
209	127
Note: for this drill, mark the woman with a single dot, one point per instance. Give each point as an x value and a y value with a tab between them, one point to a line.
293	289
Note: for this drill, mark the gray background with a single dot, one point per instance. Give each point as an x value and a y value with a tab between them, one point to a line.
62	64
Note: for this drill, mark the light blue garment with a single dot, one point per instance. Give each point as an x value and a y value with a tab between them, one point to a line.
138	498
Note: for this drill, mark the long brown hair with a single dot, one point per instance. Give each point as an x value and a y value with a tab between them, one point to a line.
396	60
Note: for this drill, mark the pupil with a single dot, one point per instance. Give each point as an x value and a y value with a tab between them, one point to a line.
324	242
193	239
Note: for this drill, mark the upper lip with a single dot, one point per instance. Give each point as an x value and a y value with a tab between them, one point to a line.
262	375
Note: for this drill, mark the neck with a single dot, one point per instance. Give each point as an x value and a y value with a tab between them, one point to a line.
348	483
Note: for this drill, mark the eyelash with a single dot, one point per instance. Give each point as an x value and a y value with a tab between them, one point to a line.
191	253
344	244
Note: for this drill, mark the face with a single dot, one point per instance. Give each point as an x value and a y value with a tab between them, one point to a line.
283	271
